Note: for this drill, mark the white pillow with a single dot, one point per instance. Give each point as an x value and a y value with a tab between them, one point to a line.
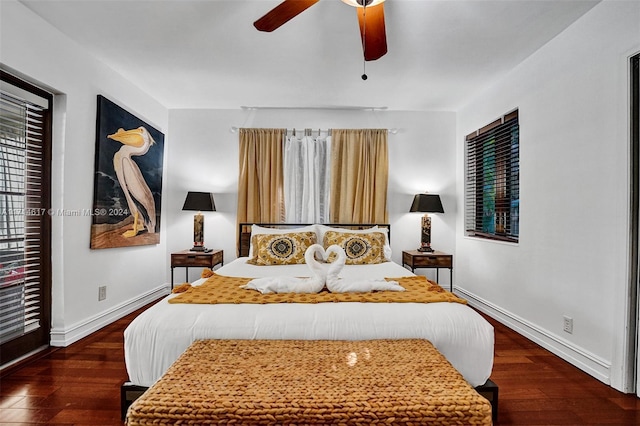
321	229
257	230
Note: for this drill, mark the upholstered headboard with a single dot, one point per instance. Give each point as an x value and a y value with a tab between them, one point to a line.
244	231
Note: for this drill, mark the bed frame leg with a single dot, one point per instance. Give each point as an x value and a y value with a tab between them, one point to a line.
129	393
490	391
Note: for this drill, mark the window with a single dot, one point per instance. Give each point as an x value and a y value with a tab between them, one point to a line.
492	183
307	177
357	169
345	180
25	273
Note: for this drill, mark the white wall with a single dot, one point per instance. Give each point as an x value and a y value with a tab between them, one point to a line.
133	275
572	255
204	157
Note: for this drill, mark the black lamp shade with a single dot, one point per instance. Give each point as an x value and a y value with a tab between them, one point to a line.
199	201
427	203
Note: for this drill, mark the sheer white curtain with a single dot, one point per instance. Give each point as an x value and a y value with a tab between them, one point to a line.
307	177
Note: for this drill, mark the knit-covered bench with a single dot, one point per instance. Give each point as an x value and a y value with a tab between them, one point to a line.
279	382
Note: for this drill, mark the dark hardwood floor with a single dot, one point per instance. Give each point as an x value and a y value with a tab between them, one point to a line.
538	388
80	385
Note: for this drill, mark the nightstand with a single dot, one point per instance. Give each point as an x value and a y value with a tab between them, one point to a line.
187	258
435	259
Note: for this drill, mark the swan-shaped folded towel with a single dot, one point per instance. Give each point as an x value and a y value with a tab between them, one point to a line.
335	284
287	284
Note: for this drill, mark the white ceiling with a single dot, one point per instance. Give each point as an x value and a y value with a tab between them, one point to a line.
207	54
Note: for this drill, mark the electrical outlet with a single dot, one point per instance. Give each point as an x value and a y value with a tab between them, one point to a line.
568	324
102	292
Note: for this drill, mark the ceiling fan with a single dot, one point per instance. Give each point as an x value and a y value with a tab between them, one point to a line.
370	17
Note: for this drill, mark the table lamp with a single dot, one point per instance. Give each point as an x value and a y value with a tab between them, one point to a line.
200	202
426	203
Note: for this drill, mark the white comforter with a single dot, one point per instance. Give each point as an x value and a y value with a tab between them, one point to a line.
155	339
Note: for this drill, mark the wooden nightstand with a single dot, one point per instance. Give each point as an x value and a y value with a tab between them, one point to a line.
435	259
187	258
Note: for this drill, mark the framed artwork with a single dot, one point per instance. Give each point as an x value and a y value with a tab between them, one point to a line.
128	179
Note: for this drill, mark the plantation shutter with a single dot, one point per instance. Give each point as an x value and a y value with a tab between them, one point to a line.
492	184
24	219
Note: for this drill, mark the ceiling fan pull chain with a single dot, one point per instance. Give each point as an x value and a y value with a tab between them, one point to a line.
364	42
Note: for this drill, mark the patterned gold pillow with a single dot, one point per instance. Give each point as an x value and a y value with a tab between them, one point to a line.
361	249
281	249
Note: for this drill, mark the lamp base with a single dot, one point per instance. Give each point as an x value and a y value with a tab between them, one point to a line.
425	249
201	249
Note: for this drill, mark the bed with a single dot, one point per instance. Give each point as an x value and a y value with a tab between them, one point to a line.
158	336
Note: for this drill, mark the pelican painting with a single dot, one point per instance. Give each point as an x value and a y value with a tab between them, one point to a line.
128	179
136	191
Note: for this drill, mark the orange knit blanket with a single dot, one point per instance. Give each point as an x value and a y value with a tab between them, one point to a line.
222	289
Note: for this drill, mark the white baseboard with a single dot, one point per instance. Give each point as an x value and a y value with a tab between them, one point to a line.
68	335
576	355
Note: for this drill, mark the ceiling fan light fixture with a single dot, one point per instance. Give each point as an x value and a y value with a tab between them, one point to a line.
359	3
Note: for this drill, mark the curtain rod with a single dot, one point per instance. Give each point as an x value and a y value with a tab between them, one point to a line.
235	129
336	107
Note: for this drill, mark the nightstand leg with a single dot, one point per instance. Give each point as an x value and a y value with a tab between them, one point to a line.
186	274
451	280
172	278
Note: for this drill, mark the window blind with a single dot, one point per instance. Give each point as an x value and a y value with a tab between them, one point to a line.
24	218
492	181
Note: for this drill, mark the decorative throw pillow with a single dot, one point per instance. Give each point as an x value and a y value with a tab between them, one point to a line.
281	249
361	249
322	229
257	230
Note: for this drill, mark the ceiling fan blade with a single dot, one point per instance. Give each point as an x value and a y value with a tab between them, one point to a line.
374	38
282	13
